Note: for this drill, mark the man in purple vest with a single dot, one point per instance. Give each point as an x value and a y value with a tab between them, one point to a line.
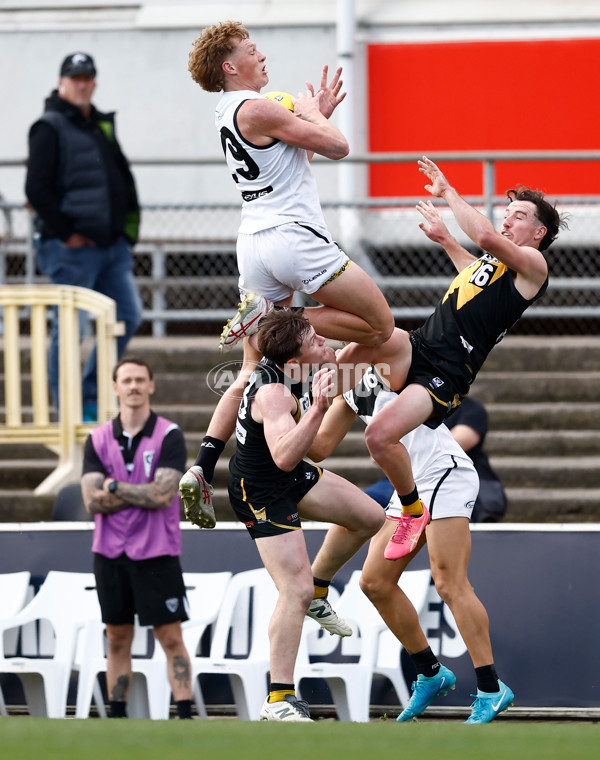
131	470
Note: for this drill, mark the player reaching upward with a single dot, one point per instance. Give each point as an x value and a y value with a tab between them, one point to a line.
283	242
487	297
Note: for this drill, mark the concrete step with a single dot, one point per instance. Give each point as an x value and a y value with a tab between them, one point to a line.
513	416
513	354
24	473
525	505
539	442
543	416
489	387
539	505
20	505
514	471
525	387
540	353
548	472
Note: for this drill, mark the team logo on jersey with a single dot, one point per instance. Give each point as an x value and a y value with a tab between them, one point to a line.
474	278
148	459
437	382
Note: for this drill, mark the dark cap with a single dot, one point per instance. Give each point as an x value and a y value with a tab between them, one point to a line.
78	63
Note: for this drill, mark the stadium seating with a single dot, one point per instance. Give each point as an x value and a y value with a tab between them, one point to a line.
66	601
244	656
13	594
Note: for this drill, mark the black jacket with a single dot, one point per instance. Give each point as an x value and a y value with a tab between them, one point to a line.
78	179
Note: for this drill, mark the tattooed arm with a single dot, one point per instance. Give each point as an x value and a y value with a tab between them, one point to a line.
155	495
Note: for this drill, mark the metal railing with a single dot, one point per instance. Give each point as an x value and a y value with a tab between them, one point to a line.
67	434
185	260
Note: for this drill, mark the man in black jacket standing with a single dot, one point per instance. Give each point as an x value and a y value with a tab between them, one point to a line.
87	213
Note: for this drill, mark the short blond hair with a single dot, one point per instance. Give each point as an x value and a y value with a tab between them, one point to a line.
210	50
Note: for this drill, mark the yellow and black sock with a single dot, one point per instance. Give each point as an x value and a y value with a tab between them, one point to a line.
321	588
411	504
278	691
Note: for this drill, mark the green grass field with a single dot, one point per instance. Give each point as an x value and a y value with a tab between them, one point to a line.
92	739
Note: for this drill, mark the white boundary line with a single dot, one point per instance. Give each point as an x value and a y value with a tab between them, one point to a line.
41	527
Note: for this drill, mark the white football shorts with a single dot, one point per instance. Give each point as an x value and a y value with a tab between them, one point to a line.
296	256
449	491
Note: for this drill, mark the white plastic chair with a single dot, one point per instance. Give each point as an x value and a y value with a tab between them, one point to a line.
66	601
206	593
246	611
350	682
13	595
150	693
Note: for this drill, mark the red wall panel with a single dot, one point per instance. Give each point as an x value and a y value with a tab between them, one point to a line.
477	96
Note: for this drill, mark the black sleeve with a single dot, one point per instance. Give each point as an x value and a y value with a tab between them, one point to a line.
41	183
91	461
173	452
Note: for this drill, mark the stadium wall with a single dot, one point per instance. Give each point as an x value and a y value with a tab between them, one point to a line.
537	583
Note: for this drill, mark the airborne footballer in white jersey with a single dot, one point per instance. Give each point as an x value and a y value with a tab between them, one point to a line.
283	243
275	181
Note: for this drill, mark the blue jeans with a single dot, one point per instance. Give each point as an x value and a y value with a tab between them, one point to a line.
105	270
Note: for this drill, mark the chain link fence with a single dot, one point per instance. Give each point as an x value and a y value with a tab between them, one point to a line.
187	274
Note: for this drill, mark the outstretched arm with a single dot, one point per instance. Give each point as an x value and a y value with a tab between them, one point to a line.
436	230
528	262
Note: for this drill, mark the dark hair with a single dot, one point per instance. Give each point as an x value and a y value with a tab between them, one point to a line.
281	333
545	212
209	51
131	360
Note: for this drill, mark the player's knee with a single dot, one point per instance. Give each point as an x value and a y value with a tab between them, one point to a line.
374	587
375	442
373	520
303	595
447	586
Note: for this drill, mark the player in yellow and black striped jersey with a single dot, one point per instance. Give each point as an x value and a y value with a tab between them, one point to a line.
486	298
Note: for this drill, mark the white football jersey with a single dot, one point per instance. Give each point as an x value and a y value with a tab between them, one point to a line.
429	450
275	180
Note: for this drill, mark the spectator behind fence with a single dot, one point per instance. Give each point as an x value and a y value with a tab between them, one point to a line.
131	469
86	207
469	425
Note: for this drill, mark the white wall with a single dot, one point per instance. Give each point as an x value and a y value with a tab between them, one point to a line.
141	53
161	111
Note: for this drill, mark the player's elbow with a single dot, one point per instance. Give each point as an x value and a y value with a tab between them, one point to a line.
285	463
340	150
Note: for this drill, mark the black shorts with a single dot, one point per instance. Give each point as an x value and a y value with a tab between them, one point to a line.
270	507
446	383
153	588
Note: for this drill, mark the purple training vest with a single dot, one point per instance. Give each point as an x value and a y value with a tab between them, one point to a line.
140	533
